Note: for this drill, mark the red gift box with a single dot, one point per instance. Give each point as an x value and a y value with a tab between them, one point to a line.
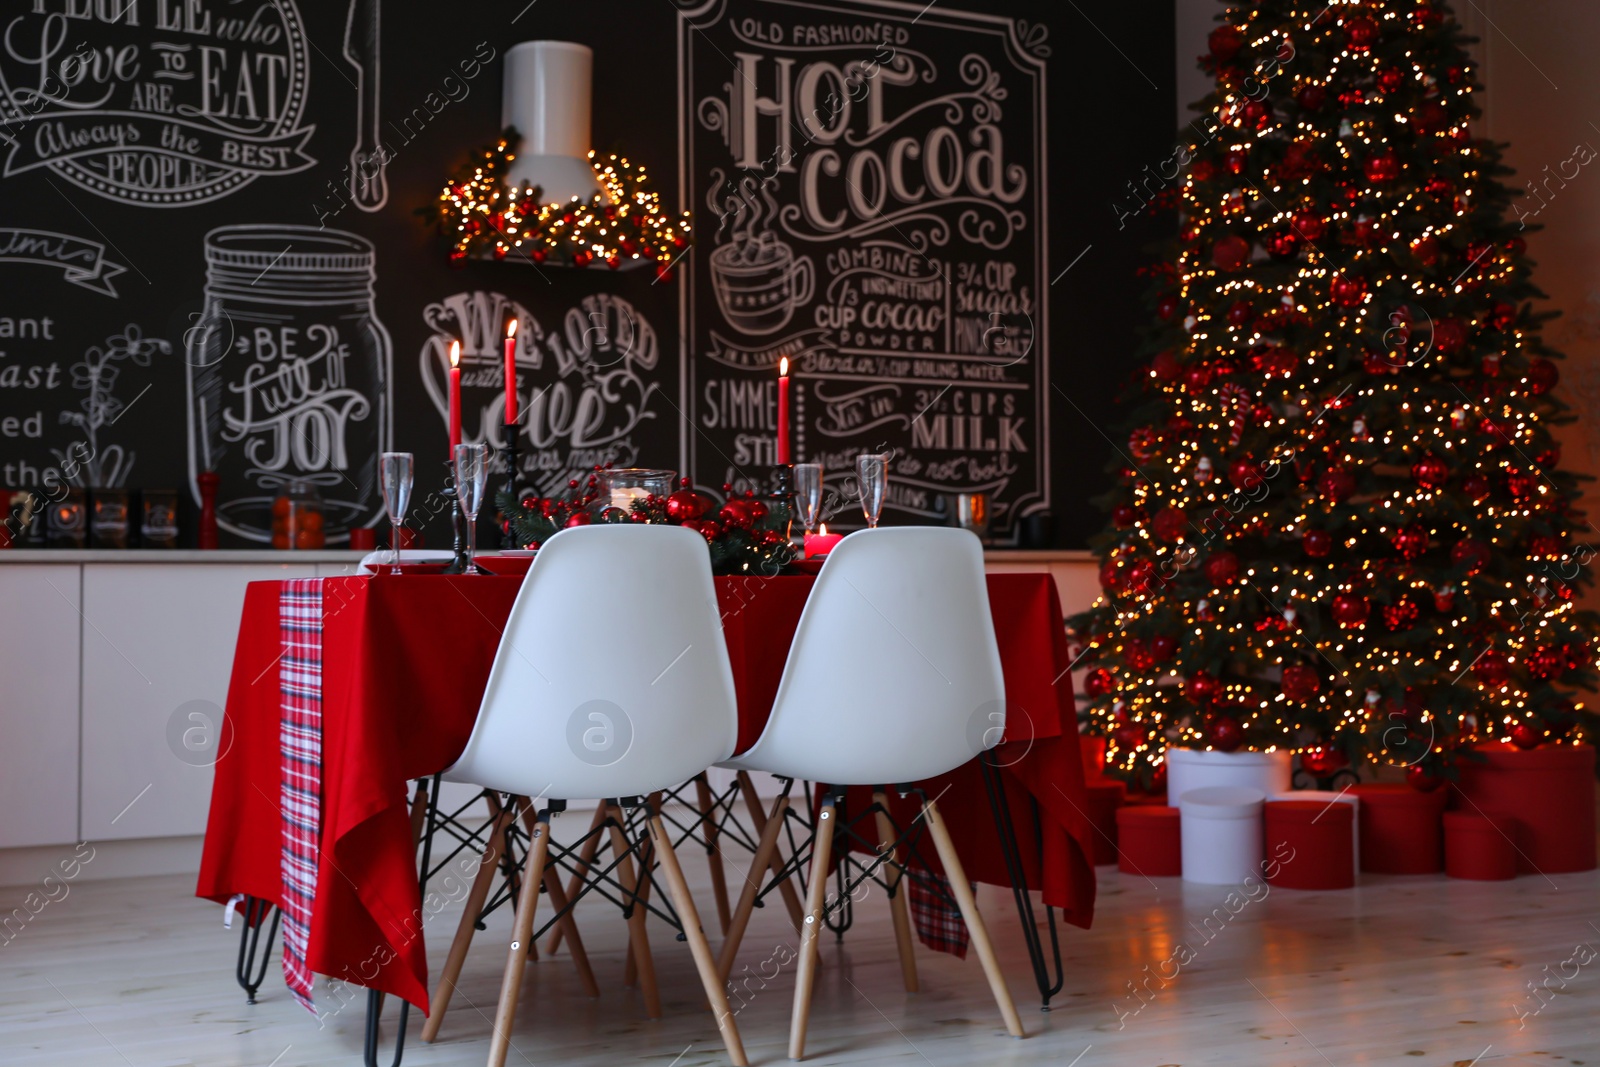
1478	847
1149	841
1322	839
1547	793
1104	797
1401	831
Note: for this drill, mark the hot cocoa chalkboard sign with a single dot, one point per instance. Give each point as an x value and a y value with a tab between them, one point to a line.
871	182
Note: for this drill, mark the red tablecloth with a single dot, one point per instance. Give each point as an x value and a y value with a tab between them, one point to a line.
405	660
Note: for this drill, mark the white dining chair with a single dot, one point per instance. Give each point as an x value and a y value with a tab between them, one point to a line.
611	681
893	676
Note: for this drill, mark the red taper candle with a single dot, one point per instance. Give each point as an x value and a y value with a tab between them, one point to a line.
783	410
511	372
455	398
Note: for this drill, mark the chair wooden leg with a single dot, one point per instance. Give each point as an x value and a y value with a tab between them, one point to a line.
690	917
419	810
758	819
708	828
638	938
487	868
521	941
647	862
898	908
752	886
585	857
816	896
962	889
558	901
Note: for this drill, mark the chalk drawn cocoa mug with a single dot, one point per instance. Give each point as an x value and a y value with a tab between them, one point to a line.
759	283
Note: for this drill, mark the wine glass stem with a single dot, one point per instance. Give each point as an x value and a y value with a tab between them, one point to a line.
394	539
472	543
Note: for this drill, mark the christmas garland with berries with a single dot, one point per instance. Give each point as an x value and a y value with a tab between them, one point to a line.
745	536
482	217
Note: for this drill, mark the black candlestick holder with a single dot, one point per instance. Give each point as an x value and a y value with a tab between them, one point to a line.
506	538
458	525
780	499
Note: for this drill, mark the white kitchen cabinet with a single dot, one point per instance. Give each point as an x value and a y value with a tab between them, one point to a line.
39	704
158	647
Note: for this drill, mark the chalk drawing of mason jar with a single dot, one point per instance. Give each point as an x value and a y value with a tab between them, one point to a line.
289	376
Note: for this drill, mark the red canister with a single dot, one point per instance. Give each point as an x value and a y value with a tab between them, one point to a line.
1401	831
1546	792
1318	840
1149	841
1478	847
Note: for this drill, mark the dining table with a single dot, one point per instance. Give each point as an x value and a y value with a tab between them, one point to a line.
344	690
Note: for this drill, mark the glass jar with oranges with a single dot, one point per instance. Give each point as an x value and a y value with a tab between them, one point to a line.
297	521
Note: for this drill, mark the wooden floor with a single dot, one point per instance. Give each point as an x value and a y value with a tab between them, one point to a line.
1418	970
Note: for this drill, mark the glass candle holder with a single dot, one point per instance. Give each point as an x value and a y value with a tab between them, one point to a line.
623	487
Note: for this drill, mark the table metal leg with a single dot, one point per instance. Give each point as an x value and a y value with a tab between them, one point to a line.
1001	808
254	957
427	788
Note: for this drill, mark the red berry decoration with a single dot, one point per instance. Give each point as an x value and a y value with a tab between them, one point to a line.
1421	779
1245	474
1201	687
1099	682
1542	376
1347	290
1225	42
1319	761
1221	568
1493	668
1430	472
1170	523
1350	609
1360	33
1471	553
1230	252
1382	167
1224	733
1525	735
1317	543
1300	683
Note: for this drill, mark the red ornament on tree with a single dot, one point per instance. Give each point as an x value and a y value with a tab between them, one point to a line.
1382	167
1312	97
1225	42
1230	252
1099	682
1401	614
1430	472
1166	367
1542	376
1244	474
1224	733
1347	290
1300	683
1477	488
1471	553
1444	599
1170	523
1525	735
1449	336
1163	647
686	504
1317	543
1221	568
1201	687
1426	249
1336	485
1122	516
1421	779
1493	668
1319	761
1350	609
1411	540
1166	307
1360	33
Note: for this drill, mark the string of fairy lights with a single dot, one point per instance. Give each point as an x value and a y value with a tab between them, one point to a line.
623	226
1349	534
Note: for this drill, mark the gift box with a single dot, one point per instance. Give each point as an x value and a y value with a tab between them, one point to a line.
1401	828
1547	794
1313	842
1478	847
1149	841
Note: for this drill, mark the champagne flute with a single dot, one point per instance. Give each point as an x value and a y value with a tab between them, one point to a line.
872	470
472	474
394	472
808	493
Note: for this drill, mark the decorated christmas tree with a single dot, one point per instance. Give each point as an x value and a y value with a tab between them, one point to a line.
1339	523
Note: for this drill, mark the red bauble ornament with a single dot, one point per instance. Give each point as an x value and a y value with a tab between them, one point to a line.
1166	307
1312	97
1401	614
1411	540
1336	485
1110	574
1139	576
1525	735
1471	553
1382	167
1319	761
1542	376
1255	115
1347	290
1477	488
686	504
1163	647
1099	682
1317	543
1423	781
1244	474
577	518
1545	546
1230	252
1360	33
1166	367
1124	516
1493	668
1235	160
1520	484
707	528
1201	687
1282	244
1225	42
1196	378
1430	472
1170	523
1449	336
1426	251
1300	683
737	512
1221	568
1299	161
1224	733
1545	663
1240	312
1137	654
1351	610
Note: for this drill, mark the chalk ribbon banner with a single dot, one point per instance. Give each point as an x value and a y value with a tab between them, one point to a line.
40	140
81	262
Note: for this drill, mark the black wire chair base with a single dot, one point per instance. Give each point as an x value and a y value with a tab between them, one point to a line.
428	792
1001	807
254	955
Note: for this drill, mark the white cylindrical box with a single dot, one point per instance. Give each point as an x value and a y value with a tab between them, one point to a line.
1189	768
1221	832
546	97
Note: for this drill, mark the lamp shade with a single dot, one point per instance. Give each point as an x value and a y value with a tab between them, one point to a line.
546	97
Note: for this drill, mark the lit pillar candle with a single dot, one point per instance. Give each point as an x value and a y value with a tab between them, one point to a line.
783	410
511	372
455	397
821	542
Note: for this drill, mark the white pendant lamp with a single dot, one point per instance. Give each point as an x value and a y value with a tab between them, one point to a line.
546	97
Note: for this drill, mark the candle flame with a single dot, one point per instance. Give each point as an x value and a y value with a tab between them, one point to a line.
783	367
511	328
823	529
455	353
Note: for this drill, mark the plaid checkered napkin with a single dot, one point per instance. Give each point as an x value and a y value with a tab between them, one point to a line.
938	921
300	790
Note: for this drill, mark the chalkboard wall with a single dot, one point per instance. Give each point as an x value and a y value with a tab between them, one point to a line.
925	209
